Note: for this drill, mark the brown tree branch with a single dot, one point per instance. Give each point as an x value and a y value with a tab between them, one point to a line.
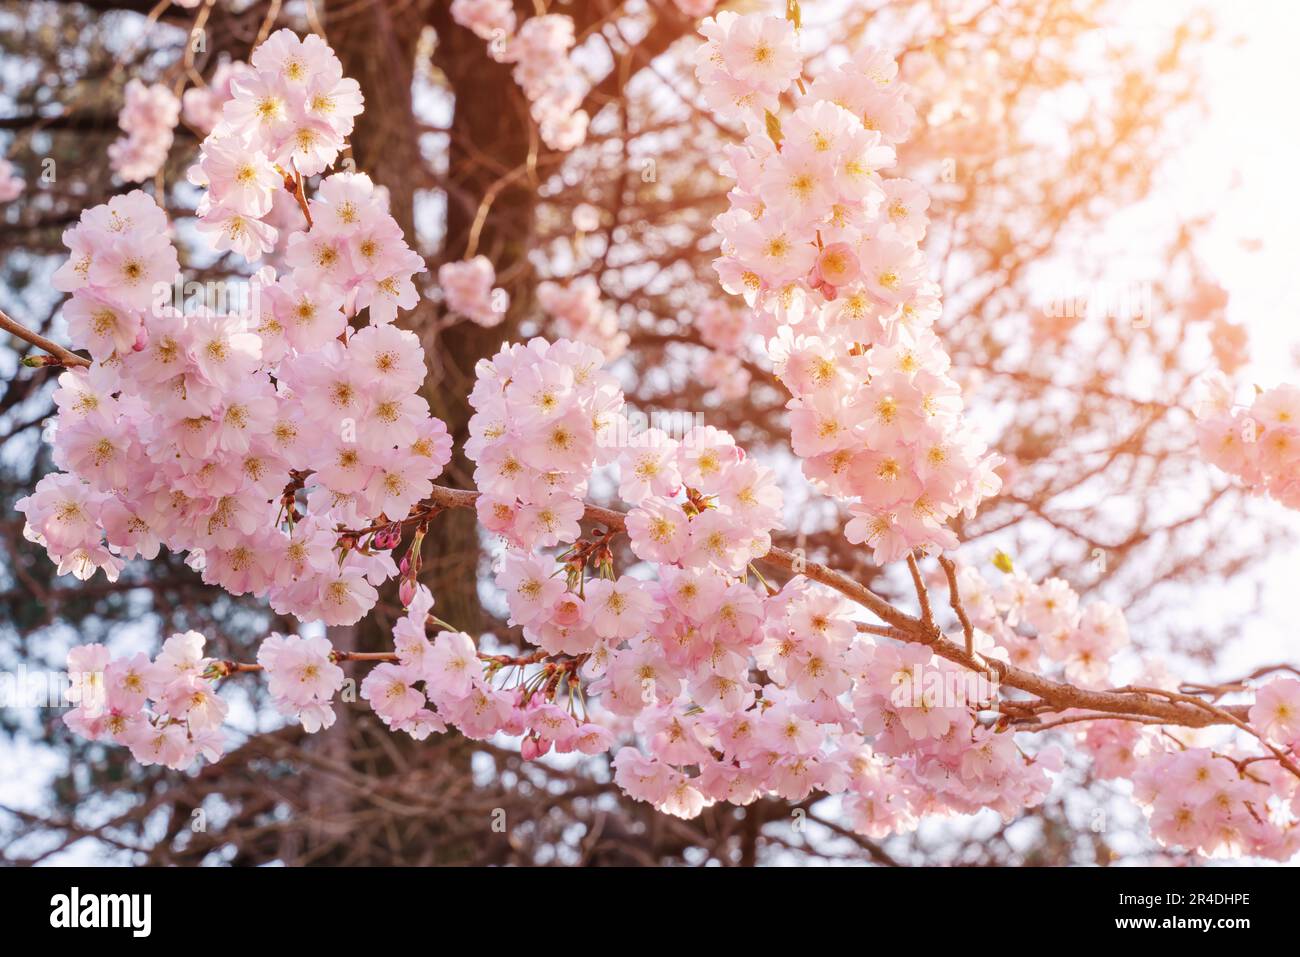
57	351
1060	696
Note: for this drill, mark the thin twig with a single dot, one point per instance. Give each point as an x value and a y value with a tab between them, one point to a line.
954	599
922	594
485	206
272	13
63	356
300	194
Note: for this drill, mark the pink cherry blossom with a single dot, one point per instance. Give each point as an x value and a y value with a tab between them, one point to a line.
11	184
147	119
468	289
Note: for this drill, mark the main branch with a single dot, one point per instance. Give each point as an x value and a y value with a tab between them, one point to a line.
1056	695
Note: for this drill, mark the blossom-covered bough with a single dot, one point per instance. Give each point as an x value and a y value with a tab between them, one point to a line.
287	450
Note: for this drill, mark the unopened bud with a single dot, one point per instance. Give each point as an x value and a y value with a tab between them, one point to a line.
40	362
530	749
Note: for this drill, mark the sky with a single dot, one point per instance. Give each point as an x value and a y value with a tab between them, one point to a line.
1240	165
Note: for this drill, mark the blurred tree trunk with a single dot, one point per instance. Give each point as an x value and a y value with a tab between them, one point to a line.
489	135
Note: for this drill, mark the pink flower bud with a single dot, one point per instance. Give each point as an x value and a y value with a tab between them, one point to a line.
836	266
569	611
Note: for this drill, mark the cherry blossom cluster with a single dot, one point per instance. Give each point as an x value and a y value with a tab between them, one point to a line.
698	503
577	312
728	738
246	437
303	677
166	710
932	754
1210	803
1221	803
446	680
121	255
1259	443
201	430
148	119
540	413
539	50
1042	626
288	115
1198	799
671	660
722	327
825	252
469	290
354	256
1204	800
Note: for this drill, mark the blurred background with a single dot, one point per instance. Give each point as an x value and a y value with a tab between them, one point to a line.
1080	153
